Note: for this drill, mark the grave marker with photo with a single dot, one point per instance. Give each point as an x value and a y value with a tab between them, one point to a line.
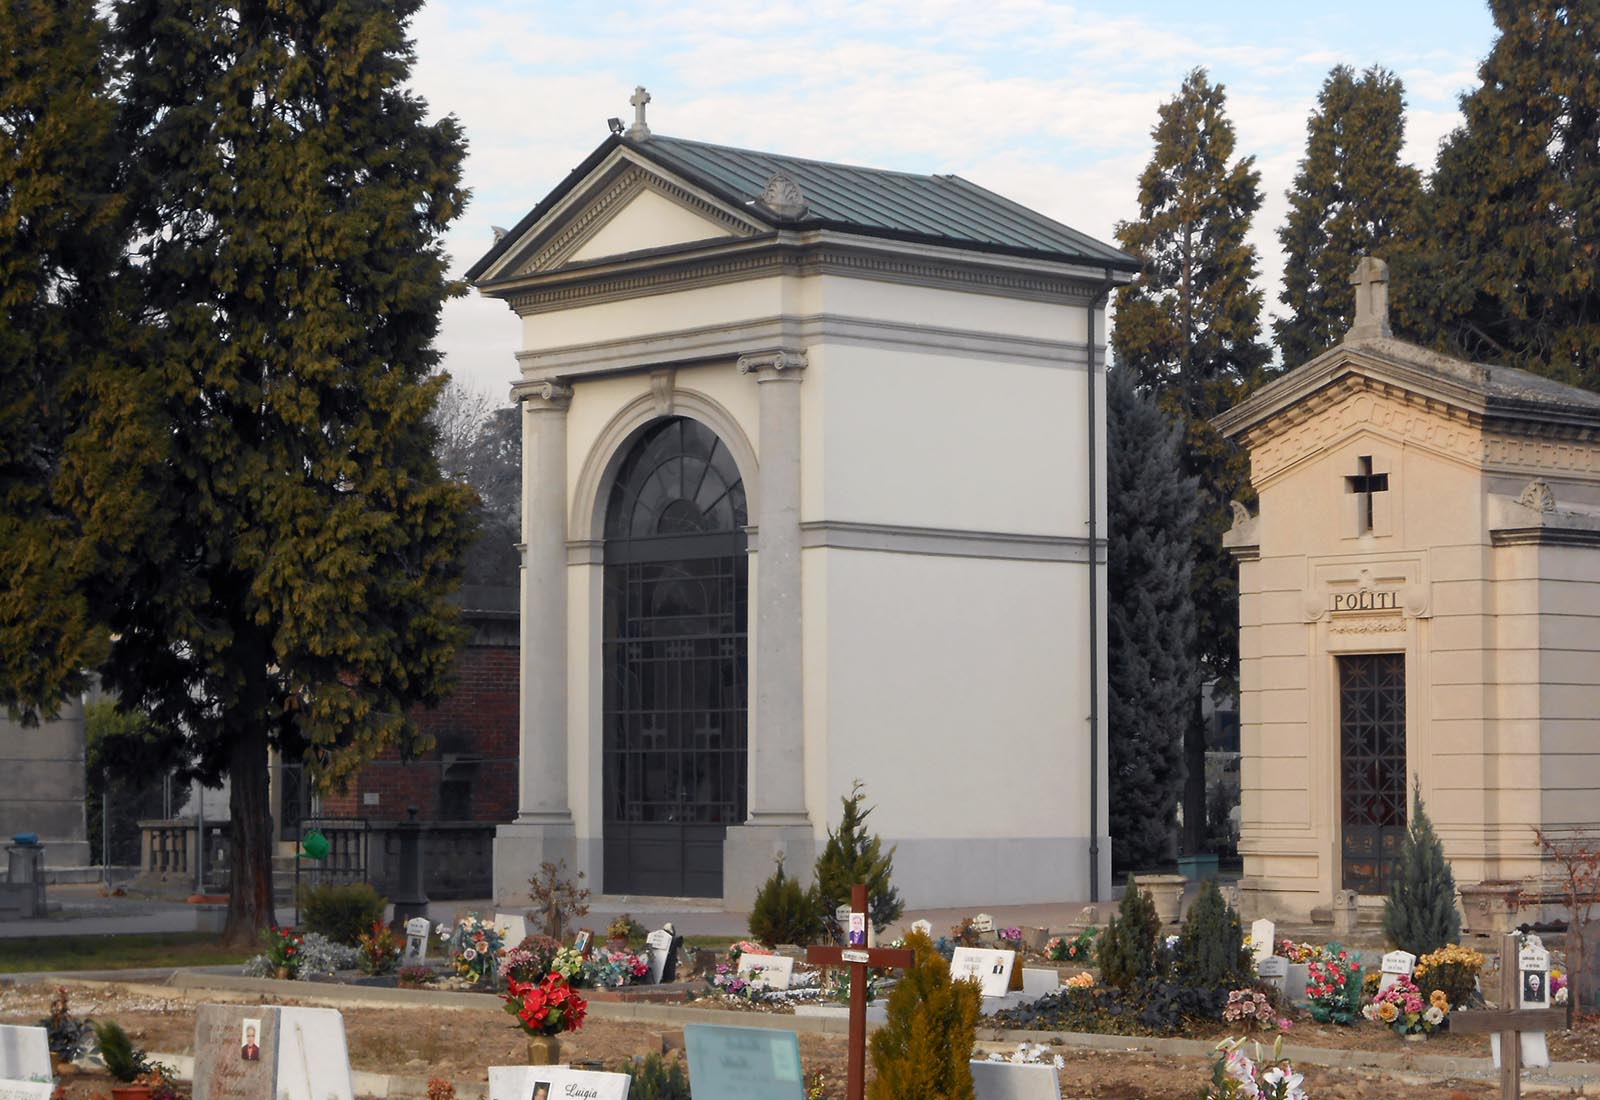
989	967
416	952
555	1083
225	1068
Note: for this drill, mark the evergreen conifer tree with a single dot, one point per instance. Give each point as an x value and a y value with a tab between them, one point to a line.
853	855
1351	198
785	912
290	198
61	245
924	1050
1420	913
1151	672
1211	953
1128	952
1189	327
1510	264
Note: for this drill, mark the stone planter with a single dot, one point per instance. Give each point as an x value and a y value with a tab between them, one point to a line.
544	1050
1165	890
1198	868
1490	908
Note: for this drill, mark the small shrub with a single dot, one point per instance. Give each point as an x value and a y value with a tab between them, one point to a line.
557	899
1211	953
1420	914
341	911
320	957
657	1078
785	913
123	1060
1129	951
924	1050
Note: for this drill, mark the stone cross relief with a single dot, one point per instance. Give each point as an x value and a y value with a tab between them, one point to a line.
1371	280
640	99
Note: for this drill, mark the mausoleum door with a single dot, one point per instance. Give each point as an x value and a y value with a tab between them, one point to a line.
1372	739
674	653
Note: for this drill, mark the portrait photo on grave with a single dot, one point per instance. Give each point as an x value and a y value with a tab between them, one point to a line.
249	1040
541	1091
581	942
1534	988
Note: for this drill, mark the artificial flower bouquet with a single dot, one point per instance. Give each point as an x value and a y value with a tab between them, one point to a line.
1077	949
530	960
748	985
1402	1008
1333	986
1254	1009
1558	987
1297	952
1237	1076
474	945
283	950
607	969
546	1007
1453	969
380	949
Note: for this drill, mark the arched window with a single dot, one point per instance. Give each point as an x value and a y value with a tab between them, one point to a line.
674	651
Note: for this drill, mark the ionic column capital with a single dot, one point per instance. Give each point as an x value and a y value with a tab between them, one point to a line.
774	364
542	396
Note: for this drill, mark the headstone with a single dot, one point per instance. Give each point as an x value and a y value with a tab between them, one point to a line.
1273	970
24	1054
515	926
658	948
742	1063
925	927
1533	991
236	1051
1014	1081
776	970
983	922
1261	938
991	969
26	1090
1039	981
313	1062
416	952
555	1083
1396	965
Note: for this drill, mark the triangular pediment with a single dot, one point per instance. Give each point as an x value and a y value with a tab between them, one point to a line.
626	205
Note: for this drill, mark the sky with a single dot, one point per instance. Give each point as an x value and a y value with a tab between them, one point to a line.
1047	103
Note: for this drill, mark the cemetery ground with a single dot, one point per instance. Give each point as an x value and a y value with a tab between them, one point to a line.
418	1040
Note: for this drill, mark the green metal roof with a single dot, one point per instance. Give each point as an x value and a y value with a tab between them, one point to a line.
940	209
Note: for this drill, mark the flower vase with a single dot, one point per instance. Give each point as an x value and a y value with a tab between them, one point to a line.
544	1050
283	974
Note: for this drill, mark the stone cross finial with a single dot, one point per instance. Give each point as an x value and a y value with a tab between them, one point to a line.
639	131
1371	280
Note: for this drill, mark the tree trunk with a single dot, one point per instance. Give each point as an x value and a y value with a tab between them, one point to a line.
250	838
1194	780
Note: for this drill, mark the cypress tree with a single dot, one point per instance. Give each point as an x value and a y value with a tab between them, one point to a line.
290	200
1420	915
1151	672
1351	198
853	855
61	241
924	1049
1189	327
1129	951
1510	269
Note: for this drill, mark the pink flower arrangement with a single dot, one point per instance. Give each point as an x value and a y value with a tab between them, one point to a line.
1402	1008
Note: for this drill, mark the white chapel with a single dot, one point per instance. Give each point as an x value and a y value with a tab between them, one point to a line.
813	491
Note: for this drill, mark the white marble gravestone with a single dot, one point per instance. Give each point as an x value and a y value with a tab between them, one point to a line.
313	1062
1039	981
983	922
416	952
24	1054
1262	933
990	968
658	945
925	927
555	1083
1014	1081
1396	965
515	925
26	1090
776	970
1273	970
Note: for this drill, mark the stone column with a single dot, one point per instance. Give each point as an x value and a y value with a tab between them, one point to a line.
777	822
543	828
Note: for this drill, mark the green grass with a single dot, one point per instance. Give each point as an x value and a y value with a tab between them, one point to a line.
31	954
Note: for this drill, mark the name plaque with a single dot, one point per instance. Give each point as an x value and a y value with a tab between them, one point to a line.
1364	601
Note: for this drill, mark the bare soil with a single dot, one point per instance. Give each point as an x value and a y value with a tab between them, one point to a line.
425	1041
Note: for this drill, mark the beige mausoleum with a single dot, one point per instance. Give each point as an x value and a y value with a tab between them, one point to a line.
1419	599
813	492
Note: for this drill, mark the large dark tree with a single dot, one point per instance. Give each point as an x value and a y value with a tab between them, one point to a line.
60	247
1351	198
1152	674
290	197
1511	266
1189	327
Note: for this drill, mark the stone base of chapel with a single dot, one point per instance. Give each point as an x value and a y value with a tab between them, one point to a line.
520	847
750	852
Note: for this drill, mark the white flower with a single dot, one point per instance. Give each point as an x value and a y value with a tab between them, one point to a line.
1433	1015
469	954
1059	1062
1287	1077
1561	996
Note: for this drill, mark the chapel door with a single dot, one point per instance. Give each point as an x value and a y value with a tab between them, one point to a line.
1372	738
674	652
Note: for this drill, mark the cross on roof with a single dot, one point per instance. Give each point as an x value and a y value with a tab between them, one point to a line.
1371	280
639	130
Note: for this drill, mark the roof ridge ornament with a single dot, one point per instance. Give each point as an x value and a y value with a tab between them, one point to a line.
639	131
782	196
1371	280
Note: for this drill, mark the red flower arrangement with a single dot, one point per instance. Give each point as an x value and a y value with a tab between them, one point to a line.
546	1007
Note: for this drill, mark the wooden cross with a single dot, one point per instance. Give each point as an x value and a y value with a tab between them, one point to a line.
858	958
1509	1022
